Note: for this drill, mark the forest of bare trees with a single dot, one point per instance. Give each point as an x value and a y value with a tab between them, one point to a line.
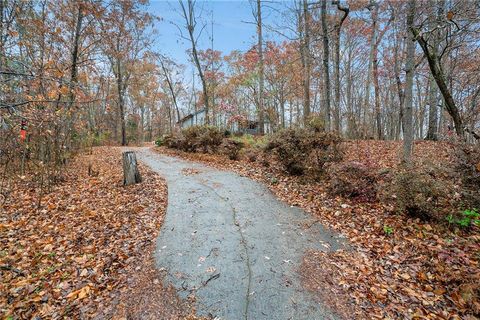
82	73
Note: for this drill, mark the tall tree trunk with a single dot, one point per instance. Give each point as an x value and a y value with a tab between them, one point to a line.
398	81
306	61
338	27
2	45
76	44
378	115
261	115
170	87
121	103
438	74
326	71
432	110
190	24
373	7
74	75
409	73
432	133
350	107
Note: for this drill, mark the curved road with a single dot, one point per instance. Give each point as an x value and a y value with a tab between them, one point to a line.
229	241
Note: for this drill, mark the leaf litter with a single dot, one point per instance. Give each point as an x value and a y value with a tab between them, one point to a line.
416	271
87	251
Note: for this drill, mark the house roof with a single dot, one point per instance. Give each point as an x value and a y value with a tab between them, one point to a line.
188	116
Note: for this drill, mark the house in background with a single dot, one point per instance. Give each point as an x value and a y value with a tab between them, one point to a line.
246	126
193	119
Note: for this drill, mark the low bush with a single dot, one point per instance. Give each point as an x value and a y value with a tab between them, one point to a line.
174	140
419	192
160	141
316	123
231	148
353	180
300	150
201	139
251	155
468	168
251	141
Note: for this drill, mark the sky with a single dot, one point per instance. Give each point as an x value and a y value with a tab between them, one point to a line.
233	26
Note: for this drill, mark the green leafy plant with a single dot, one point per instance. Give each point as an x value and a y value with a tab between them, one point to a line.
160	141
467	218
388	230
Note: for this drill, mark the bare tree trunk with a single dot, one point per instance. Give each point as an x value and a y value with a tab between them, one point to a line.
373	43
121	102
261	118
76	43
378	115
74	74
170	86
409	73
433	92
190	21
432	110
305	51
398	82
326	71
438	74
350	107
131	175
338	27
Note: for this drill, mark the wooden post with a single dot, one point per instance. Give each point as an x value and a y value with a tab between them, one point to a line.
131	175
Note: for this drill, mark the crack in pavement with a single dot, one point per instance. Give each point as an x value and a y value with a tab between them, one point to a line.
243	242
218	222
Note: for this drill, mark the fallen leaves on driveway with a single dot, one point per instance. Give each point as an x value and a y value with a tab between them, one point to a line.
415	271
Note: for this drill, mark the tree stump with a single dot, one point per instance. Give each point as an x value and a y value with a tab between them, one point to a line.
131	175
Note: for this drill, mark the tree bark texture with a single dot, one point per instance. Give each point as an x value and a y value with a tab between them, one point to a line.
409	73
326	71
131	175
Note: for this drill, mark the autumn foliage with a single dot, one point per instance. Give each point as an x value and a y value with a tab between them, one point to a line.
302	150
71	252
398	266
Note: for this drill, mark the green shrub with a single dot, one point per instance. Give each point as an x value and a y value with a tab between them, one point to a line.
300	150
250	141
160	141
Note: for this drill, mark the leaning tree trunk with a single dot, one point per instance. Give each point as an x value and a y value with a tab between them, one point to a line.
131	175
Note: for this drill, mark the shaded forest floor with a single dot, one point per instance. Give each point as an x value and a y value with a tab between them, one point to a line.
87	250
415	269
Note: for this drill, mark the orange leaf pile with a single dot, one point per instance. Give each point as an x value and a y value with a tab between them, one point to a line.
85	247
